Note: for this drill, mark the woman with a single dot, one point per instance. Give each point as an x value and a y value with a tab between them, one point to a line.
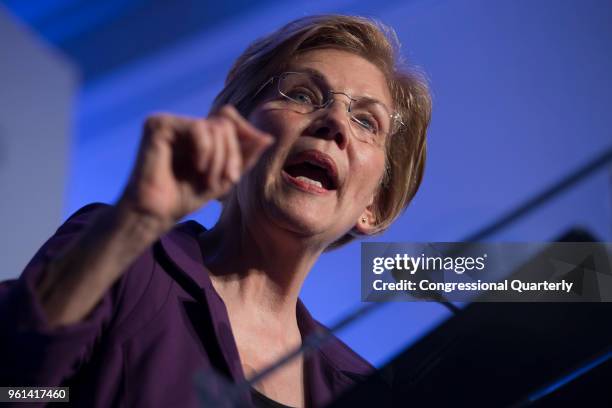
326	143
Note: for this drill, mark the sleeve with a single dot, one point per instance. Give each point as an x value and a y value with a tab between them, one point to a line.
32	353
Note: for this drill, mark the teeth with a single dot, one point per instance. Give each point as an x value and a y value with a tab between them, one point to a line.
310	181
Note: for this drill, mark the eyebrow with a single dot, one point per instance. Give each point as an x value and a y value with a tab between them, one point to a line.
312	71
319	76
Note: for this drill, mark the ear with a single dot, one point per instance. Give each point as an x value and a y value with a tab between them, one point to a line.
367	222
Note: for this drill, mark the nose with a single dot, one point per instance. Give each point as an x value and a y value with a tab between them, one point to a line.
332	122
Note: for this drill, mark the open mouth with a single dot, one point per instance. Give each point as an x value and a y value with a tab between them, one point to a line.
313	170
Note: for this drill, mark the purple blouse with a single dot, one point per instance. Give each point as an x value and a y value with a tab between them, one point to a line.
160	324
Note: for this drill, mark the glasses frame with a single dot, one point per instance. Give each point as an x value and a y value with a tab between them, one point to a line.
395	117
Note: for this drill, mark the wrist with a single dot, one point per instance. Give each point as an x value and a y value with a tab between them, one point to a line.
138	223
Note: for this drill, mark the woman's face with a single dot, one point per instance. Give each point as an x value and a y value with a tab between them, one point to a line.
318	180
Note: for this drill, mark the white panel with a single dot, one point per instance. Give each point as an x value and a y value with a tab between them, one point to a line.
36	94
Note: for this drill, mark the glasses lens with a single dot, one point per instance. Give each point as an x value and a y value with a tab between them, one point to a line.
371	121
301	89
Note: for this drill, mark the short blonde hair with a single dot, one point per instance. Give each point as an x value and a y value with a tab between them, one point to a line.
405	150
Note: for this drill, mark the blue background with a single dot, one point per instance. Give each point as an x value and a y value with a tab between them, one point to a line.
522	96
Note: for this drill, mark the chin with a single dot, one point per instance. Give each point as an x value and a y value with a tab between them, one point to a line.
302	219
302	222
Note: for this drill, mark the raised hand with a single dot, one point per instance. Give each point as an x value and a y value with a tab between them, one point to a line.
184	162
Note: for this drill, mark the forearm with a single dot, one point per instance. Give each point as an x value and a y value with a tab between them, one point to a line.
76	280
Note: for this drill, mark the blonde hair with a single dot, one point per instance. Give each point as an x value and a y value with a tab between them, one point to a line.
405	150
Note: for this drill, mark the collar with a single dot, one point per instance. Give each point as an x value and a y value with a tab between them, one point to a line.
328	371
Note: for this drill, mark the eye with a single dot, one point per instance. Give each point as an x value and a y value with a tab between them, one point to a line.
367	122
303	95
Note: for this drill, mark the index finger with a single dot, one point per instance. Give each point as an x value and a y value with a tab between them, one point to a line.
243	126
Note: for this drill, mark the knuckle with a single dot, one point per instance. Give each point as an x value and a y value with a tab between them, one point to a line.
227	110
205	140
155	122
214	124
227	125
196	128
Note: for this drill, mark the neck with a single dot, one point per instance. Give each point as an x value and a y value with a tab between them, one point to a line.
255	268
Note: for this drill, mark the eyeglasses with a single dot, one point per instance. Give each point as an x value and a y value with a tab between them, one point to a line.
370	120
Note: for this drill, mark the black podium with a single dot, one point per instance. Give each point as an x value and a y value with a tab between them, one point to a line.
503	355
